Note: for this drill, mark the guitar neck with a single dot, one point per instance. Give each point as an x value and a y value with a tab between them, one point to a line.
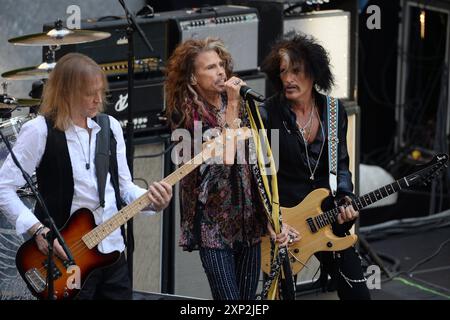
381	193
96	235
326	218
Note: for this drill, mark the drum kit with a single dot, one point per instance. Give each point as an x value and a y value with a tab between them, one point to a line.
54	39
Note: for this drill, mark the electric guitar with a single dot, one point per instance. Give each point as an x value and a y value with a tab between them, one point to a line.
312	219
82	235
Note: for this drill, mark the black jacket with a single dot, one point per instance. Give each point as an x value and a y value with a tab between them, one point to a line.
294	182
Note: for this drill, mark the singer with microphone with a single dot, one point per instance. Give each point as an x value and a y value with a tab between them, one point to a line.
222	213
60	145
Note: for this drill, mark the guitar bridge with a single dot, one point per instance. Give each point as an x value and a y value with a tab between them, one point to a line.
36	280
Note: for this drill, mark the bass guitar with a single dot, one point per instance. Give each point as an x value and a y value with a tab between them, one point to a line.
82	235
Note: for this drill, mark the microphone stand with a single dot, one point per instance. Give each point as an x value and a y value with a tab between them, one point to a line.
131	27
52	234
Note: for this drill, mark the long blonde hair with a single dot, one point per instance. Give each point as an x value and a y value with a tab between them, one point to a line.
182	101
72	77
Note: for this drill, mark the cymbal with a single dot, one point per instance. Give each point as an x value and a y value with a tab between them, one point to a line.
30	73
61	36
8	102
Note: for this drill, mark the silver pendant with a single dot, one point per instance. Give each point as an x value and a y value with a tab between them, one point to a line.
312	177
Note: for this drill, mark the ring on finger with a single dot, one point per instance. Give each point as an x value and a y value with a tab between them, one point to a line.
236	82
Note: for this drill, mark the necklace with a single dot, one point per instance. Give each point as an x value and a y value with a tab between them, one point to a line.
311	177
307	124
220	113
87	159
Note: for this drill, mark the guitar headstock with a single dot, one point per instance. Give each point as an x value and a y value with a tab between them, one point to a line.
430	171
214	147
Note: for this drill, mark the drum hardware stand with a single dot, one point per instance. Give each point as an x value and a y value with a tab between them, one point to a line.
50	58
5	98
52	234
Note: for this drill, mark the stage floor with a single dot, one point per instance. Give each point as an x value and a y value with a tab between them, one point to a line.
428	281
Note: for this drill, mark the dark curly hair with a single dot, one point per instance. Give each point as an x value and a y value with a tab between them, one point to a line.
303	51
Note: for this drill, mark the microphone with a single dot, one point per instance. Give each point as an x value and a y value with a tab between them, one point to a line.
247	92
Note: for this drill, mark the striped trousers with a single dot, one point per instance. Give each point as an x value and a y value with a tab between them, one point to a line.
233	274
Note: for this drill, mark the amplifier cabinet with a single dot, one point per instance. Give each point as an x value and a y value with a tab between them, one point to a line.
115	48
149	103
237	26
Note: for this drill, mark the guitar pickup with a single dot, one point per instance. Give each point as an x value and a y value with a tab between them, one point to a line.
55	271
311	225
35	279
68	263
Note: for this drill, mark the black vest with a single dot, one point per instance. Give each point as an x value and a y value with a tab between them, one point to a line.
55	176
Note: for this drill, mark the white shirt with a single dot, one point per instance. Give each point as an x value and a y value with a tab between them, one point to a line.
29	149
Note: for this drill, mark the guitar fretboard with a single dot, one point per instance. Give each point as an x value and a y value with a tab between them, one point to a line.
328	217
96	235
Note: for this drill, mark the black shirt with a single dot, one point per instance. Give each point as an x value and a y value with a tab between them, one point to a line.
294	182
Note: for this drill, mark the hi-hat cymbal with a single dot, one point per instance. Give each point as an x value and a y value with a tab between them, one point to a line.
30	73
8	102
61	36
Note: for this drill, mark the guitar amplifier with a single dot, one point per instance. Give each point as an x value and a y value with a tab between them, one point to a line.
115	48
149	104
333	24
237	26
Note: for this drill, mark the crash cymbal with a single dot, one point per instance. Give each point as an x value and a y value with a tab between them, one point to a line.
28	102
61	36
8	102
30	73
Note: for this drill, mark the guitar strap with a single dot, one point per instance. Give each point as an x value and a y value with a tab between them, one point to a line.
272	208
333	141
102	155
102	167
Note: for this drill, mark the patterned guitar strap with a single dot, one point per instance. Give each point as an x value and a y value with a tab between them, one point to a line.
333	141
270	200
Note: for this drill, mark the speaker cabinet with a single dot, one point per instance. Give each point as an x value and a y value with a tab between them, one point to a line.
332	30
147	229
237	26
148	103
115	48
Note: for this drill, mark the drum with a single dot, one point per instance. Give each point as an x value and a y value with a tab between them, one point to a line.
10	129
12	286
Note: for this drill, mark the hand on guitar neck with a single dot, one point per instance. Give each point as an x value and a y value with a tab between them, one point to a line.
159	194
347	212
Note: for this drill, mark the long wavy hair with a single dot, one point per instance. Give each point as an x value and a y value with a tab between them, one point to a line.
72	77
299	50
182	101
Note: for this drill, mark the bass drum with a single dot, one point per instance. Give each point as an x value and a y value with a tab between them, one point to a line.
12	287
